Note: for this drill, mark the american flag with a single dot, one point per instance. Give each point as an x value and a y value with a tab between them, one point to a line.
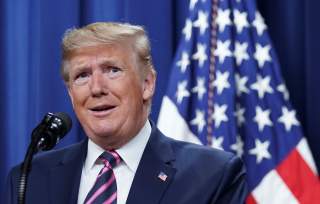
162	176
226	91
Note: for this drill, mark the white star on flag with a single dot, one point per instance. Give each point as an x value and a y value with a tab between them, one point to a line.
239	113
223	50
182	91
200	88
259	24
217	142
200	55
187	30
262	54
238	146
261	150
240	20
262	118
184	62
199	120
221	81
219	114
283	89
192	4
223	19
240	52
202	22
262	86
241	84
288	118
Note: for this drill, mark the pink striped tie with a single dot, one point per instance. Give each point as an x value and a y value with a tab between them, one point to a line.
105	188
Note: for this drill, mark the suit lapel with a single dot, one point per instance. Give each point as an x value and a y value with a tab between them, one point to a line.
64	178
155	171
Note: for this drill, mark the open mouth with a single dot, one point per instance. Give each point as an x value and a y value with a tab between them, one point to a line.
103	108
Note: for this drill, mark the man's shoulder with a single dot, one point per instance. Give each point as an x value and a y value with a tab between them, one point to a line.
51	158
183	149
191	153
46	167
199	152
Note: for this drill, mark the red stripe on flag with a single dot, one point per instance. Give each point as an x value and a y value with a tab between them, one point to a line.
251	200
299	178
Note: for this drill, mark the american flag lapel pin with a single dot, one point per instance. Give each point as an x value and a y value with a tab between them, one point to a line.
162	176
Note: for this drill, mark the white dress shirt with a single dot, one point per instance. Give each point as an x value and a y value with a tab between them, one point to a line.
130	154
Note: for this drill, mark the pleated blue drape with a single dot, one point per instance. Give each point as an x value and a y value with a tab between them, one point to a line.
30	35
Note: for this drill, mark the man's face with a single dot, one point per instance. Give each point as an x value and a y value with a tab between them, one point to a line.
108	92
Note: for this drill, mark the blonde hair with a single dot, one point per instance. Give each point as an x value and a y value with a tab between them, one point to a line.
105	33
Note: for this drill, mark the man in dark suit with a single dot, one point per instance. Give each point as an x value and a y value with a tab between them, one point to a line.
110	78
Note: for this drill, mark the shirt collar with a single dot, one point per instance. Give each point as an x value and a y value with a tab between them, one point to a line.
94	151
130	153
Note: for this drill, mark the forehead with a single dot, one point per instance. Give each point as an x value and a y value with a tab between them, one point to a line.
114	54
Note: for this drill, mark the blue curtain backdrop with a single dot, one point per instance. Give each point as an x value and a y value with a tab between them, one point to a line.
30	35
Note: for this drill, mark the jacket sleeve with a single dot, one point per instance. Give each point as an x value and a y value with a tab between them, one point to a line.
233	186
10	195
8	191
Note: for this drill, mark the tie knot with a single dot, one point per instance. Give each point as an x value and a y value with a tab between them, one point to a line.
110	158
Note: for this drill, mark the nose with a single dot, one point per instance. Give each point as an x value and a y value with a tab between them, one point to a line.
97	84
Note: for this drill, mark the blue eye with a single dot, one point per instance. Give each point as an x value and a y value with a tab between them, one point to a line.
81	78
113	72
82	75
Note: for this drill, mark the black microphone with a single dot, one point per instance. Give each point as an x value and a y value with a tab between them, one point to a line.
52	128
45	136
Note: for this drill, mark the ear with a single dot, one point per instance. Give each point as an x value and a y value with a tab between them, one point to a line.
149	84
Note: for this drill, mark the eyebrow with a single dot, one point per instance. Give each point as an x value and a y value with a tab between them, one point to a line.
79	65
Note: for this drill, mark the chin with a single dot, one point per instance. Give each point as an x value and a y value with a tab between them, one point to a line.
99	128
103	132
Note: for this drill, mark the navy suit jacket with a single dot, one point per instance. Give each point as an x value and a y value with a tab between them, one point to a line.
194	175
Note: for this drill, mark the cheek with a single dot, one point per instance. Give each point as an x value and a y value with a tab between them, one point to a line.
130	96
77	96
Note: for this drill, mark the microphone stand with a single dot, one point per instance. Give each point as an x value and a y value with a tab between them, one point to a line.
38	142
25	169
